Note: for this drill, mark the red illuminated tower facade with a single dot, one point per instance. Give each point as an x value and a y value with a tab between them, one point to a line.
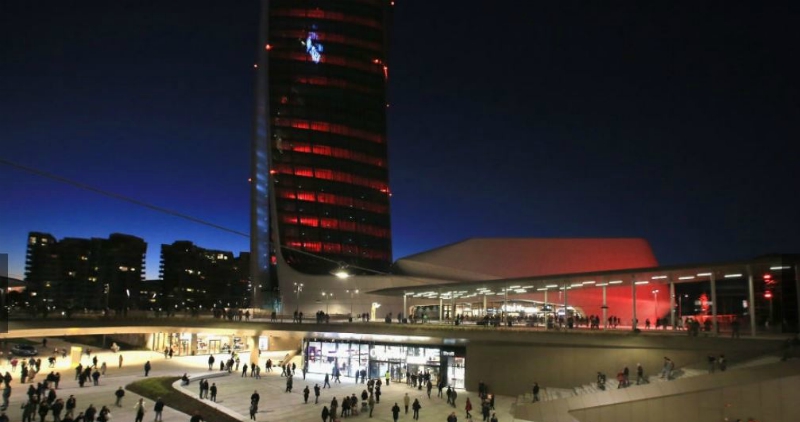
324	74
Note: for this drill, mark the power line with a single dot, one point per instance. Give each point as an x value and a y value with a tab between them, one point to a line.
119	197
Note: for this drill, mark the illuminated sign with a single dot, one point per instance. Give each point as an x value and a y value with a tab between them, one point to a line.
313	48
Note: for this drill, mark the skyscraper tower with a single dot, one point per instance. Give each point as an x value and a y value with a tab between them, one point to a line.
320	180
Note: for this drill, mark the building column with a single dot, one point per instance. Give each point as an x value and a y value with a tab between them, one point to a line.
252	344
545	305
485	312
671	303
714	321
193	344
797	290
633	294
751	301
566	315
441	308
605	308
505	304
405	305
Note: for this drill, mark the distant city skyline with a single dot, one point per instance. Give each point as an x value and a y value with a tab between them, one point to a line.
675	123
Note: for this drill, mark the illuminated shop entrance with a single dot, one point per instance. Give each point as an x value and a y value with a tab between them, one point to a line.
400	360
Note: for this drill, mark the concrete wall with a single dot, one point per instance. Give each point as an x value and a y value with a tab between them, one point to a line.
138	340
512	369
285	341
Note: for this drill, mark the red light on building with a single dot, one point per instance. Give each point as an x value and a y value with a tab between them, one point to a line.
269	47
767	276
768	295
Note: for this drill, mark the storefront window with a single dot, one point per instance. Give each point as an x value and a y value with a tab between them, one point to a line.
378	359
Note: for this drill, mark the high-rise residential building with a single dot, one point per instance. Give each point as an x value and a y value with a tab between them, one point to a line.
195	277
77	273
320	167
41	263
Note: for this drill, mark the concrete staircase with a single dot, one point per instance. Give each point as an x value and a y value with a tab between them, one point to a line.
552	393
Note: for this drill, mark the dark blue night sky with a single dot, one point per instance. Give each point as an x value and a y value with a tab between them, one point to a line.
678	122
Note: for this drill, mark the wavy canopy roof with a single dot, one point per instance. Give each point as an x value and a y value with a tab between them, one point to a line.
491	258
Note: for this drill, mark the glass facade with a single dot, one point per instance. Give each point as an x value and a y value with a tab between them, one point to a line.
400	360
327	82
187	344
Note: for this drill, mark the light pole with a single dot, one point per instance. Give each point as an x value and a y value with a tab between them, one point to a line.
327	297
298	288
352	293
655	298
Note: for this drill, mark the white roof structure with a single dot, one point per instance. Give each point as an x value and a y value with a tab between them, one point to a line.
496	258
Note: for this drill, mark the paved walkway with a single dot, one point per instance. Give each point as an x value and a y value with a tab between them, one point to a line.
233	390
277	405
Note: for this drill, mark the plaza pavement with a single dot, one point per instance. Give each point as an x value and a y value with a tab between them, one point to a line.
234	391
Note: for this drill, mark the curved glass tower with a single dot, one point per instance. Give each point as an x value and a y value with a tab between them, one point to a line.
320	152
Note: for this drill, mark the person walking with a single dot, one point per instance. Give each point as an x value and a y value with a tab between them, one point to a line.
44	409
158	408
147	368
70	406
640	374
210	362
535	392
120	393
334	407
371	404
253	410
213	391
56	408
139	408
452	417
306	392
325	413
468	408
103	368
90	413
327	382
416	406
395	412
406	402
316	393
120	361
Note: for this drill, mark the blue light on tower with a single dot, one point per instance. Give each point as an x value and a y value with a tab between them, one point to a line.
313	48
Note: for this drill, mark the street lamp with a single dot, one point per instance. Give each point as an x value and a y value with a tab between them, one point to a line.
352	293
341	272
655	298
298	288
